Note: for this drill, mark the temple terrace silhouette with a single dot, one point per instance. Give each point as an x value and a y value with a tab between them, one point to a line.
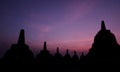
103	56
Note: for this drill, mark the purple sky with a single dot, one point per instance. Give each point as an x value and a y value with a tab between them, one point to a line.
68	24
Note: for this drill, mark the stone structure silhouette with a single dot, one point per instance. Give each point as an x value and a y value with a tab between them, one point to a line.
104	54
43	59
75	57
67	61
58	57
19	54
58	61
75	62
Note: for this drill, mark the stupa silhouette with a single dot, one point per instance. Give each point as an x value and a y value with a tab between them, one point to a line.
43	59
104	54
19	54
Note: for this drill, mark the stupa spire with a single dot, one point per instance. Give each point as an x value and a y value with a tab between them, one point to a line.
57	50
21	39
103	25
45	46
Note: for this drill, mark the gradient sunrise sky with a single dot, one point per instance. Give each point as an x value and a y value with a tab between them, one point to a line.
67	24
